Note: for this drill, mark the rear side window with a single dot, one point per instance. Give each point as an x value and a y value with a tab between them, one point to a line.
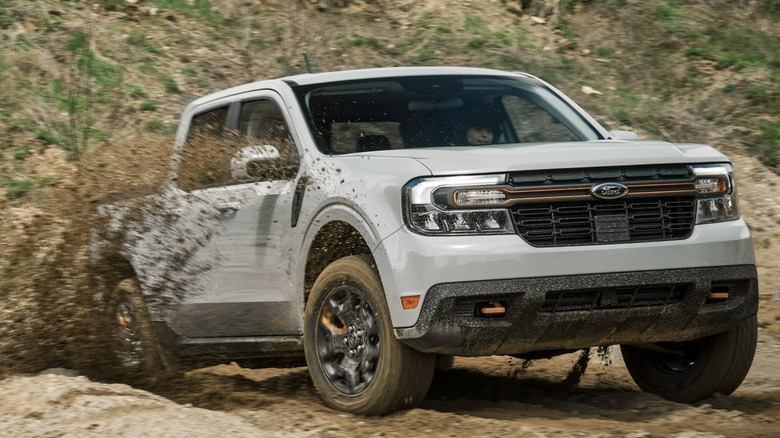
203	159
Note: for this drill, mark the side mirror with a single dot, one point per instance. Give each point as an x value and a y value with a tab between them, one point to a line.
249	161
624	135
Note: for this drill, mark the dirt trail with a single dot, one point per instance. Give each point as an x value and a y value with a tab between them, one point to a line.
477	397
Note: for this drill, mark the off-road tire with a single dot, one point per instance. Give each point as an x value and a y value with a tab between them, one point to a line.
355	361
134	348
715	364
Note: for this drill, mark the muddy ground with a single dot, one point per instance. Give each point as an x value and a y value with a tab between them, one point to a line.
477	397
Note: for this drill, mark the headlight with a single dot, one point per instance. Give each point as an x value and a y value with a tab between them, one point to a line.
717	194
456	206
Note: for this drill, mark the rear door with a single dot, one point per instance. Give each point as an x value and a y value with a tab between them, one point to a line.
243	286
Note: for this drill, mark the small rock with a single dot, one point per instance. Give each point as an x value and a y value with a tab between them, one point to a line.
589	90
537	20
59	372
586	52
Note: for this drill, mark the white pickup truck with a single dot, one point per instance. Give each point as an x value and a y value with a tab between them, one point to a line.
374	220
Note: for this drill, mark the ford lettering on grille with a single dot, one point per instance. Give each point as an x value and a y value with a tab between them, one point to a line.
609	190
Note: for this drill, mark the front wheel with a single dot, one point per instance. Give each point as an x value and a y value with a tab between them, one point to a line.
355	361
691	371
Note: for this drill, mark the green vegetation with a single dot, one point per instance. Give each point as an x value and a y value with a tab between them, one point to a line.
202	10
16	189
770	7
170	85
730	46
161	127
604	52
135	91
6	21
111	4
474	25
360	41
20	154
426	56
769	143
475	38
23	42
669	47
87	80
189	72
143	43
476	42
148	105
48	137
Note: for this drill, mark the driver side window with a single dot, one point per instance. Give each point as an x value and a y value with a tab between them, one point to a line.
217	154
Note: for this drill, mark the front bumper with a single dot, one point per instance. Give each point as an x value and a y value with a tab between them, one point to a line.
578	311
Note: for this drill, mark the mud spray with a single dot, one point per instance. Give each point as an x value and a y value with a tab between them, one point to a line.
47	313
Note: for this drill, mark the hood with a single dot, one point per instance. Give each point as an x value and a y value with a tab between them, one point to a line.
539	156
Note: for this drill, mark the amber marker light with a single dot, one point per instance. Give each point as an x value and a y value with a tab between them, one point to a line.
410	302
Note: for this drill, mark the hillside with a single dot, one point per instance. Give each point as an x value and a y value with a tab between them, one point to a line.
91	92
81	74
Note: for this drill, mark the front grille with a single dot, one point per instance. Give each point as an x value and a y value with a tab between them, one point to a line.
614	298
594	222
557	207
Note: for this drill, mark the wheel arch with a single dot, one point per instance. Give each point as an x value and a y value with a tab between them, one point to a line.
110	268
334	240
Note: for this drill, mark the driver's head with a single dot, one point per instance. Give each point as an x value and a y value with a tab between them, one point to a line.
479	134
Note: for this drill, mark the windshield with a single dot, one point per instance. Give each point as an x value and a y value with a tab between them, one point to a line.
437	111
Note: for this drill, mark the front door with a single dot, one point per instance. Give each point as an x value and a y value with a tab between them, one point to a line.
243	287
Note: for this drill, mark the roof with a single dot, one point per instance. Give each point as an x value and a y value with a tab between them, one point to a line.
374	73
347	75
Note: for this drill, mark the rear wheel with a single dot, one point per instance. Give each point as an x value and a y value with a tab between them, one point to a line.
691	371
355	361
133	345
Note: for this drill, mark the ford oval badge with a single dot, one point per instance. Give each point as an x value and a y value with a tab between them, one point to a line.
609	190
